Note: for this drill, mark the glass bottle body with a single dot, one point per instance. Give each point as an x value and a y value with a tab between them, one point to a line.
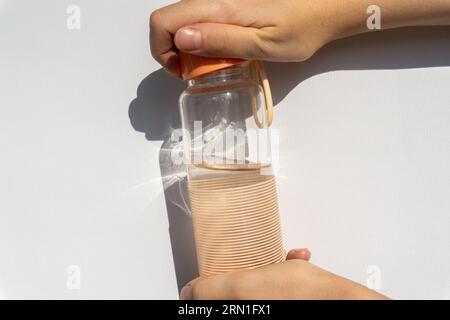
232	188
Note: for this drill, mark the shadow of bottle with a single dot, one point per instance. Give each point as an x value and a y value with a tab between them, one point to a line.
155	112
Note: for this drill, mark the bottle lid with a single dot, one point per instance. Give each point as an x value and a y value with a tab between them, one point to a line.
194	66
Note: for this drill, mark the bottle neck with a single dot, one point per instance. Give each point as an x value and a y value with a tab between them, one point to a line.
225	76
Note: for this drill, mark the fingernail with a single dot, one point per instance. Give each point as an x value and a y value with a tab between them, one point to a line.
186	292
189	39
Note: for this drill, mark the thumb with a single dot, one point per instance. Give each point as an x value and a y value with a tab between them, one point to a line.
219	40
300	254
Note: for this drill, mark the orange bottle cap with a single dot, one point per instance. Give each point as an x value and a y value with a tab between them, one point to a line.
194	66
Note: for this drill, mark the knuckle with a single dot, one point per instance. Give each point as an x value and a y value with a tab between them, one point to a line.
224	8
155	18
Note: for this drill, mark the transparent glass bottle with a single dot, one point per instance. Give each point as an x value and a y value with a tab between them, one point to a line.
232	188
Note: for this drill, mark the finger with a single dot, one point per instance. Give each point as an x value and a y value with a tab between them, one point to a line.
220	40
171	62
186	292
166	21
216	287
301	254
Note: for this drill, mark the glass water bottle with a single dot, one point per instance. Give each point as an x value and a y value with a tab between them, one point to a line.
232	189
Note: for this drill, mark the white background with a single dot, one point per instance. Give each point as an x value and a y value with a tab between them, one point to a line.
364	155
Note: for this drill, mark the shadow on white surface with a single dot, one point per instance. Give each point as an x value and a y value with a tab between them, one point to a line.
387	50
155	112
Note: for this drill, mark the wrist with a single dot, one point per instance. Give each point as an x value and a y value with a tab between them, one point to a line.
350	18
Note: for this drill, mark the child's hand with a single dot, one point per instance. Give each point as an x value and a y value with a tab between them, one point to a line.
295	278
280	30
283	30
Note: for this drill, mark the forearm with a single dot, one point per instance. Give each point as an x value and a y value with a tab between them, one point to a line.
352	15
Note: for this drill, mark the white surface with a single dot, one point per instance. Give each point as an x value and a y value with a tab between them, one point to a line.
365	154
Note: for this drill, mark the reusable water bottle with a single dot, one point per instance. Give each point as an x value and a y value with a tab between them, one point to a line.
226	112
